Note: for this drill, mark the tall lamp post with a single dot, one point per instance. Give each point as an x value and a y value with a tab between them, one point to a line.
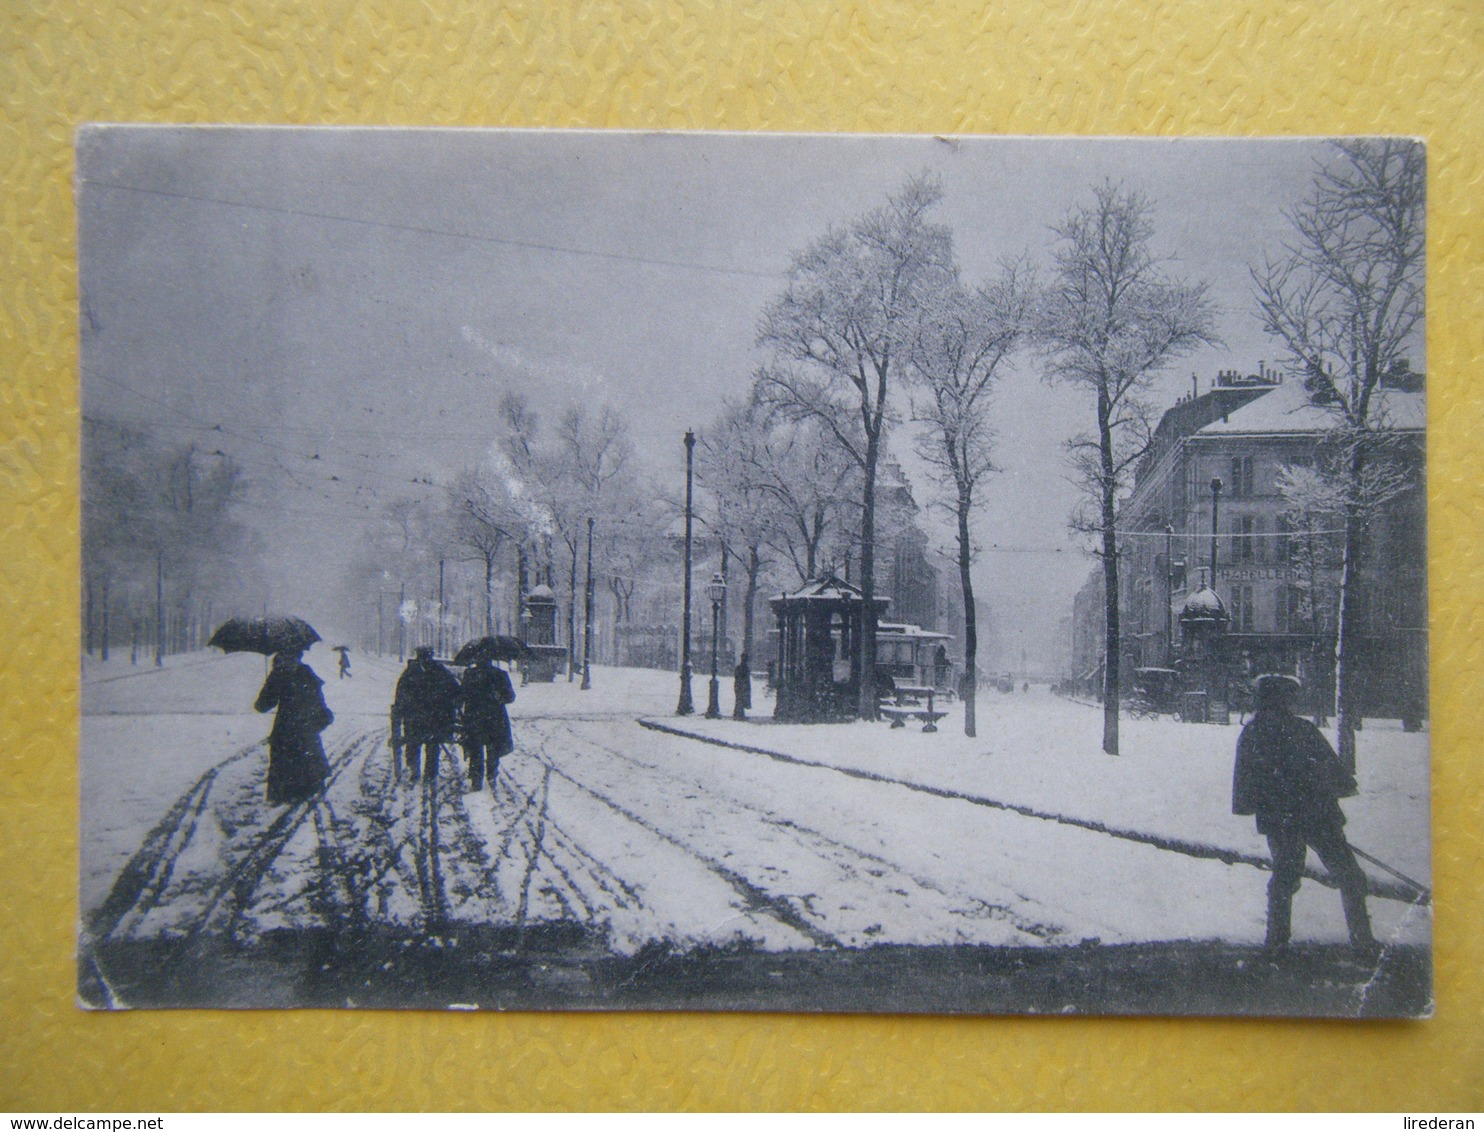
1169	593
685	706
587	615
1215	505
716	590
526	617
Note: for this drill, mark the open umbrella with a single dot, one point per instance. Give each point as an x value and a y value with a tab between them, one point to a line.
266	635
341	648
494	648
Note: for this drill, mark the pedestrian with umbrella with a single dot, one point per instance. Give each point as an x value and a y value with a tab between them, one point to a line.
297	767
483	695
344	660
424	711
1290	778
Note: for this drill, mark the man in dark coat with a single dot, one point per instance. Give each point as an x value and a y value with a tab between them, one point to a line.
423	711
1290	778
484	723
297	767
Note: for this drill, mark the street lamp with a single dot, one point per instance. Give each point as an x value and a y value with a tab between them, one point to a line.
526	617
685	706
1169	593
716	590
587	615
1215	505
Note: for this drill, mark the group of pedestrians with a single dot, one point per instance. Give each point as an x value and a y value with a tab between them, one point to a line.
432	707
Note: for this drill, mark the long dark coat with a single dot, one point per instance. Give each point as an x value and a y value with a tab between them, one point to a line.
426	703
484	693
1288	775
297	766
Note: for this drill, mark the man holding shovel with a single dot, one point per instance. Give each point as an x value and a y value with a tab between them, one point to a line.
1290	778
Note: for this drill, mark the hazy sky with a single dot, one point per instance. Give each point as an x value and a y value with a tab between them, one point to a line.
349	305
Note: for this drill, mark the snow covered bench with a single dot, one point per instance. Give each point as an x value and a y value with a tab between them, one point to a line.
899	714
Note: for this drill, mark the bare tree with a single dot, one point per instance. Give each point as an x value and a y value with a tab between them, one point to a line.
1313	511
737	467
808	479
1110	322
1346	301
484	516
838	335
160	528
963	342
591	480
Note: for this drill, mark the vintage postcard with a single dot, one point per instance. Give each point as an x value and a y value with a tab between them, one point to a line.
593	570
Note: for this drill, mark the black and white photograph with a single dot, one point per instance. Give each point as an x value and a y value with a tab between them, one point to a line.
599	570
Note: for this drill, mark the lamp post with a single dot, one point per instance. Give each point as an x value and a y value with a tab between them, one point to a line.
526	618
1169	593
716	590
587	615
440	606
1215	506
685	706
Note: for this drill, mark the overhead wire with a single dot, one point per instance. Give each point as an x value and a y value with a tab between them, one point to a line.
420	229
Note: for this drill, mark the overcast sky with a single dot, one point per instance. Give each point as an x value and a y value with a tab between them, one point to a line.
349	305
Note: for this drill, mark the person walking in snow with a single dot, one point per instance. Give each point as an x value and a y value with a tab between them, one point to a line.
297	767
344	661
424	710
1289	777
484	724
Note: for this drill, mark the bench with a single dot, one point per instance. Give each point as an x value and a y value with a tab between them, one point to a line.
899	714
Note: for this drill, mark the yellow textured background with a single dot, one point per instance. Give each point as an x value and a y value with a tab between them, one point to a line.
1037	66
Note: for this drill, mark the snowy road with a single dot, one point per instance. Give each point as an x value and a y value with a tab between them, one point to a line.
595	830
642	837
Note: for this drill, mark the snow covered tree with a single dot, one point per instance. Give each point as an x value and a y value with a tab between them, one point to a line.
838	335
1346	301
963	342
1109	322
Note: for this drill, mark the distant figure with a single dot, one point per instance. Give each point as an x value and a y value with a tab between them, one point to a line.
297	767
742	688
1026	687
423	712
344	662
1289	776
484	724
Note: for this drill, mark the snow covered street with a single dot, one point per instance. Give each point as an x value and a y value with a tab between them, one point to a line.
629	842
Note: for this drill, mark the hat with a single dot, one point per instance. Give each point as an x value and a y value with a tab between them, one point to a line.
1275	689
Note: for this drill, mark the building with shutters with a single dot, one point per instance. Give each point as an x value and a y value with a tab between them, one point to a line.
1278	580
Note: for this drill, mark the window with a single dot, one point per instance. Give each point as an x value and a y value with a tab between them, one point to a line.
1240	486
1241	609
1244	541
1289	610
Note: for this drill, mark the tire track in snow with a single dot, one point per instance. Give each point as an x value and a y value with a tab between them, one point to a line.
847	858
1194	849
623	894
144	879
754	899
234	893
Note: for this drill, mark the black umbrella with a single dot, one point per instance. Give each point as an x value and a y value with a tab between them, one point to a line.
340	648
492	648
266	635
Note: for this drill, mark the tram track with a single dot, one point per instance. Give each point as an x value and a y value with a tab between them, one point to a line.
848	858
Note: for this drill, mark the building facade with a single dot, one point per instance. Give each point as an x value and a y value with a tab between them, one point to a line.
1276	572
